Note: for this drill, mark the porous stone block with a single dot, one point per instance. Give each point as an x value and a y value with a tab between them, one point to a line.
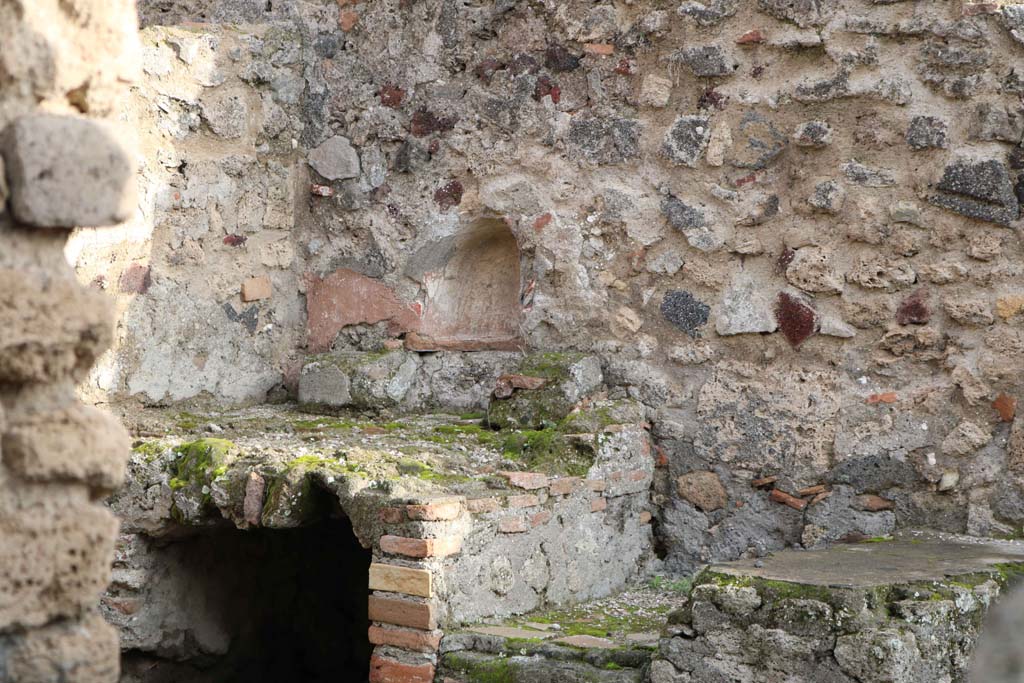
53	327
67	172
569	377
978	189
75	443
703	489
82	650
655	90
395	579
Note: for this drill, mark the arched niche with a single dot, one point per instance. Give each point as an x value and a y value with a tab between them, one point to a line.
472	285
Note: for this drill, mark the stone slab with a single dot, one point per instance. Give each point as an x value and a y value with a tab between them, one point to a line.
905	559
509	632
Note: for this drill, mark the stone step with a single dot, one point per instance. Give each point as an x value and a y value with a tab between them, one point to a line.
902	610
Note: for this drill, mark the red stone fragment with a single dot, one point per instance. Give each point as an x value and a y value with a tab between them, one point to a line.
448	196
796	319
425	122
486	68
624	67
1006	406
321	190
764	482
507	384
601	49
886	397
347	20
712	98
542	221
135	279
235	240
811	490
780	496
545	86
785	258
752	37
391	96
914	309
872	503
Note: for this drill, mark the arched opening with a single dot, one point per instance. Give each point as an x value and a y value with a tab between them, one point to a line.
472	288
265	605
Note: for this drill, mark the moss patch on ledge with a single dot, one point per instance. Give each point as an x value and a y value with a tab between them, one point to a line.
200	462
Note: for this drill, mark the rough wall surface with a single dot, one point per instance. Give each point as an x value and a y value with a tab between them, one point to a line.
788	228
62	70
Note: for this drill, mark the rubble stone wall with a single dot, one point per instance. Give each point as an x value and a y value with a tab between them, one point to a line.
64	66
791	229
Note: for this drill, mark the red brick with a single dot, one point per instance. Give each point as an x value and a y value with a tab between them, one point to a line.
597	484
526	480
406	638
434	512
602	49
752	37
386	670
135	279
392	515
420	547
887	397
780	496
479	505
347	20
598	504
636	475
512	525
542	517
615	476
971	9
563	486
526	500
402	612
1006	406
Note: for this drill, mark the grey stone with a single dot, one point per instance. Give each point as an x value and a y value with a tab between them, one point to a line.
3	187
803	13
993	122
686	140
834	327
604	140
707	61
874	473
684	311
1012	18
745	309
225	112
709	13
335	159
759	143
67	172
885	656
692	222
978	189
868	177
927	132
324	384
825	89
829	197
817	134
836	517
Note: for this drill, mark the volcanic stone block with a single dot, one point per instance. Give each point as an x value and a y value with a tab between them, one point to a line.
335	159
67	172
978	189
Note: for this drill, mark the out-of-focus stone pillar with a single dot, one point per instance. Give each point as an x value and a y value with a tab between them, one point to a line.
1000	654
65	65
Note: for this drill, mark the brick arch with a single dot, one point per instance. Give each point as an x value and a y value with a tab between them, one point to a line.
472	291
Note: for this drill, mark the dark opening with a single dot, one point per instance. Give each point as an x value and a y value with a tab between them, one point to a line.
261	606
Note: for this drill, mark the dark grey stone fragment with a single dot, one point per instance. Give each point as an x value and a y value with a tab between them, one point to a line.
803	13
707	61
926	132
604	140
874	473
815	134
686	140
685	311
760	144
978	189
709	13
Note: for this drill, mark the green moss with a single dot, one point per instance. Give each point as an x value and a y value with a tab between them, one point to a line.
481	670
612	666
681	586
201	461
188	421
552	366
150	450
877	539
548	451
1010	572
316	425
484	436
473	416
